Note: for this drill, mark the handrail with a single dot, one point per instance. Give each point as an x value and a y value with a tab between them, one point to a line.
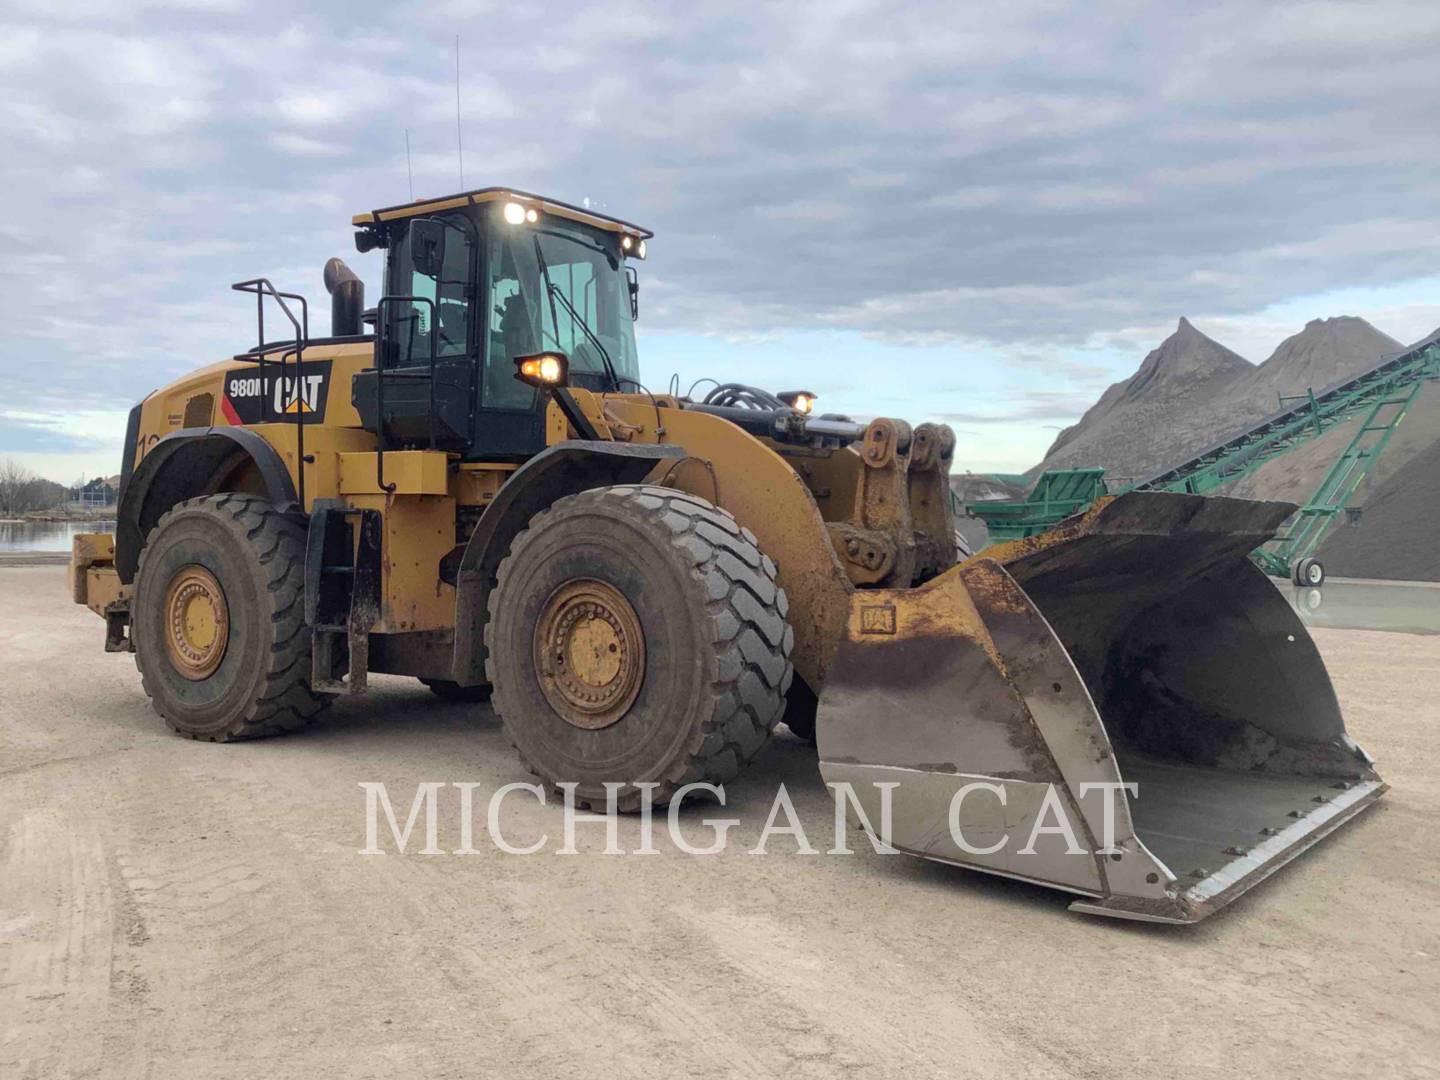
262	287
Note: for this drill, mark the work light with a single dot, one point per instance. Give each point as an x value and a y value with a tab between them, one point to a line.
802	401
543	369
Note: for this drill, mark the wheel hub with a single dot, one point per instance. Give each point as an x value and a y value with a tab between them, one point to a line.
590	653
197	622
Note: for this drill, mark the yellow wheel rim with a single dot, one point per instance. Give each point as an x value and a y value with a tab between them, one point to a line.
197	622
589	653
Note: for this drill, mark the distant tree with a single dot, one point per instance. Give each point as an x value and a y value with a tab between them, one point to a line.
50	495
19	488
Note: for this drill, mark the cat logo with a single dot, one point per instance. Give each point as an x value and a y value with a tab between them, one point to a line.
877	619
256	396
302	399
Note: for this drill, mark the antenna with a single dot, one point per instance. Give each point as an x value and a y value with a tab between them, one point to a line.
409	172
459	145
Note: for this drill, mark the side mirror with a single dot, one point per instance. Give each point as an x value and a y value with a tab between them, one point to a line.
427	246
632	279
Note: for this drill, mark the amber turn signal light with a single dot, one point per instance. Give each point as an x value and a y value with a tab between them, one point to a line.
543	369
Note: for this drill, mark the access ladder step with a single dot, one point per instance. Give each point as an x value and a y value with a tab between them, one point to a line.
342	594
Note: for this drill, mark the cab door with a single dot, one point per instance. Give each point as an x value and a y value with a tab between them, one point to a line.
428	314
510	419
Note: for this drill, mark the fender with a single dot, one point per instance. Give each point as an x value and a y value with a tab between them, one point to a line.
560	470
165	476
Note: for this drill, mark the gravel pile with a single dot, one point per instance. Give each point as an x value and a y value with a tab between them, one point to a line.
1192	392
1395	536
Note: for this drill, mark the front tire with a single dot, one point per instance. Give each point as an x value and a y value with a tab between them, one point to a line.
218	619
637	635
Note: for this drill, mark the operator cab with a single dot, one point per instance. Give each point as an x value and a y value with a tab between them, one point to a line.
474	281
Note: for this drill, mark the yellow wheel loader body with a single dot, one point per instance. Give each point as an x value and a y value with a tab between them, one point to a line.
1122	708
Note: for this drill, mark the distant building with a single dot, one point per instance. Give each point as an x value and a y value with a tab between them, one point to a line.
97	494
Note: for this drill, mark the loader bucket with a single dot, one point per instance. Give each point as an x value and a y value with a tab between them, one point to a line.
1005	701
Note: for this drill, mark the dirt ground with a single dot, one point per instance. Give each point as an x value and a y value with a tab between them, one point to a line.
173	909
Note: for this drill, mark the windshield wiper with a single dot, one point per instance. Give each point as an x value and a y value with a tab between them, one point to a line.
553	291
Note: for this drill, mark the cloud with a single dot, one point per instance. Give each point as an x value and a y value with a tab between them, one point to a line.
304	146
39	433
1030	405
1048	186
308	109
18	46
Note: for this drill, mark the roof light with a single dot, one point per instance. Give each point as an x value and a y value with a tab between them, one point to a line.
802	401
531	216
640	251
515	213
626	243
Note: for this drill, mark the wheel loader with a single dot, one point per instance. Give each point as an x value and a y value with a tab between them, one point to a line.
469	484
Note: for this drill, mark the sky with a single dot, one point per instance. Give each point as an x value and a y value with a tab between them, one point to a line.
976	213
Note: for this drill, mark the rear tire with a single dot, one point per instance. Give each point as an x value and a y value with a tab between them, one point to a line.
1309	573
449	690
248	675
637	635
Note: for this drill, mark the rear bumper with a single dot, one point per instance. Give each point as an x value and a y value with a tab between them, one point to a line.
96	583
93	580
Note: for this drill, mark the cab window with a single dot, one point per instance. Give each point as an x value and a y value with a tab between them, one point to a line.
555	287
433	260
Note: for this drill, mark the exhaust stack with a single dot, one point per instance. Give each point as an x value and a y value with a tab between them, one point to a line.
347	299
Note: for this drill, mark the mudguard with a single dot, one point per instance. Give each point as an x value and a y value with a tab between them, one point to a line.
555	472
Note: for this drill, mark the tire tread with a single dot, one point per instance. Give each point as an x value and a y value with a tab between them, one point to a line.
277	535
752	638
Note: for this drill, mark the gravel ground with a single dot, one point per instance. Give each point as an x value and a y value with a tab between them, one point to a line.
173	909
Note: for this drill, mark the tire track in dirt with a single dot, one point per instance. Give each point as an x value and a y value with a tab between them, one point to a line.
210	883
203	912
57	923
